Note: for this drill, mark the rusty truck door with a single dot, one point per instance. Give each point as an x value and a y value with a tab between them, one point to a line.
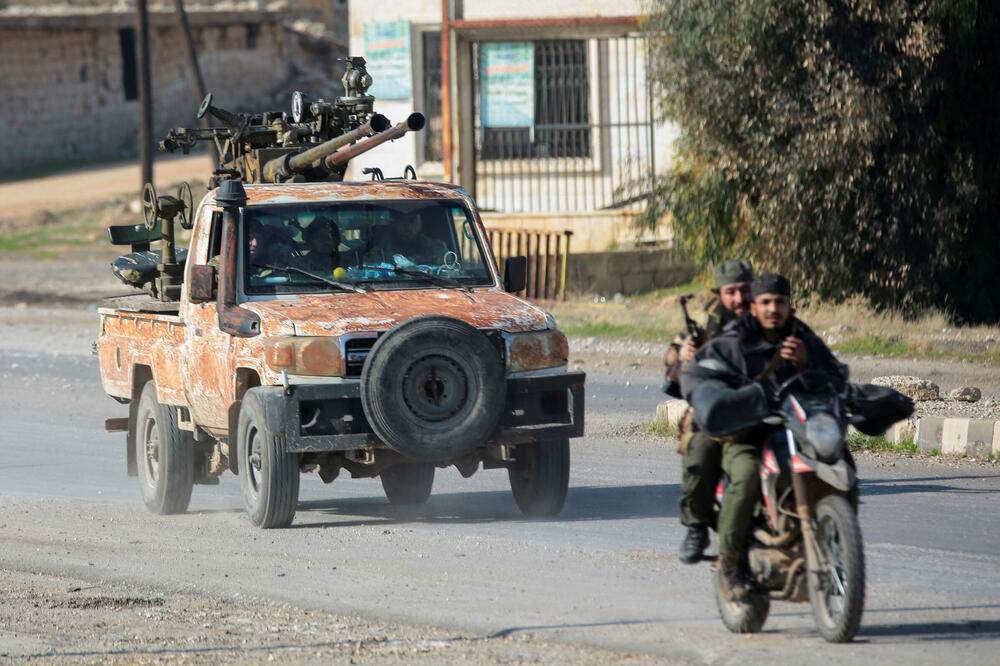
209	376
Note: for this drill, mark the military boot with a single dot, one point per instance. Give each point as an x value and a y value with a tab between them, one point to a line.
732	578
694	544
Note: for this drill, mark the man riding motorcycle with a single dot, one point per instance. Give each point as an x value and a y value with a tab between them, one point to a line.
727	380
702	465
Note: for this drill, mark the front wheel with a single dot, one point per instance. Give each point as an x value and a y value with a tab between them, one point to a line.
269	475
539	477
165	456
838	593
408	483
742	617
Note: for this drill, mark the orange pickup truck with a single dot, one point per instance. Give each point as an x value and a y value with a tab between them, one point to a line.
338	325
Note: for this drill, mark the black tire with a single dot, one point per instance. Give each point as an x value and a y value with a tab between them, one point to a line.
742	617
838	599
408	483
165	456
433	388
539	477
269	476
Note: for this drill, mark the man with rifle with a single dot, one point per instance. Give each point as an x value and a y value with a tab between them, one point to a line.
702	464
765	346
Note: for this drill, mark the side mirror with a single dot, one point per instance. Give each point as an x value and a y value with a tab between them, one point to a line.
201	283
515	274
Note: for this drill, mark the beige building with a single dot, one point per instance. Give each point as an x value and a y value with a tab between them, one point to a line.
69	81
551	119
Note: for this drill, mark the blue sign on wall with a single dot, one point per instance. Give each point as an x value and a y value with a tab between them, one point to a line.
389	61
507	84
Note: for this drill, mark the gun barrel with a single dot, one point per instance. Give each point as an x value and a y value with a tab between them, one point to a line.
414	123
280	168
377	123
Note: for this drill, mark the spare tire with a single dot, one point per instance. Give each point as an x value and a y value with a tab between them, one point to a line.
433	388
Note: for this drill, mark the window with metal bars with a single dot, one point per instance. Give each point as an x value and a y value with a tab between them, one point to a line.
431	44
562	108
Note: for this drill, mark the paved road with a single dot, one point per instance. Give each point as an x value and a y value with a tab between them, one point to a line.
604	573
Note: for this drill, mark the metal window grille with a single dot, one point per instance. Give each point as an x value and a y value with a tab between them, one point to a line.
562	113
593	131
433	148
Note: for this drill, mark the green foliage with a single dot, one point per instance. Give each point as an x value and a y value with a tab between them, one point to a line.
859	442
602	328
662	427
850	145
874	344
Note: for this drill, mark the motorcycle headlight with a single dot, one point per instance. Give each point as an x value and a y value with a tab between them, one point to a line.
825	434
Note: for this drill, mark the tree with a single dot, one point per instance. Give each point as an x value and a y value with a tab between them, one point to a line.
831	140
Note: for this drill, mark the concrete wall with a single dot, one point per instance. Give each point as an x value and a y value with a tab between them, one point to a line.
592	231
626	272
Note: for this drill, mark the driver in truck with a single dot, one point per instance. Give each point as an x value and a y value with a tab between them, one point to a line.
766	346
407	238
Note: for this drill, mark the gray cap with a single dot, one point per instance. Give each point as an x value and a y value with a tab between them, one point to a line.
733	271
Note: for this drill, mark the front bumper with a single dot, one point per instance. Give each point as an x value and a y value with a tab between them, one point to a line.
312	418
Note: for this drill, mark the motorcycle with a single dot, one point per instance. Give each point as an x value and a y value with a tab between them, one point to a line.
805	543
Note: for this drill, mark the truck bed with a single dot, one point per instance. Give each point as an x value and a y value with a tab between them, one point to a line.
132	336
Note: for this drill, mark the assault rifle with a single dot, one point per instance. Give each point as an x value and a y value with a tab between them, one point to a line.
672	385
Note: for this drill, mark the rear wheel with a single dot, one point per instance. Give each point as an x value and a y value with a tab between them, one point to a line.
539	477
269	475
742	617
165	456
838	593
408	483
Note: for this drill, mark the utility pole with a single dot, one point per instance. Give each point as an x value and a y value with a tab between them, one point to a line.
145	93
199	80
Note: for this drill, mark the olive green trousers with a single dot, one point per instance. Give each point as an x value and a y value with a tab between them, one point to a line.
701	469
741	462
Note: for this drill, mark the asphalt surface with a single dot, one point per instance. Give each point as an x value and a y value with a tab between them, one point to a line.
604	573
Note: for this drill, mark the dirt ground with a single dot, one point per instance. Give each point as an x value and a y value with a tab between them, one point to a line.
55	620
87	186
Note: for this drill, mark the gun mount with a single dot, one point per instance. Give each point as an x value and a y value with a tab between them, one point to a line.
301	146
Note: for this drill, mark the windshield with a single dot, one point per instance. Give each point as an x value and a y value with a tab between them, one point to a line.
330	246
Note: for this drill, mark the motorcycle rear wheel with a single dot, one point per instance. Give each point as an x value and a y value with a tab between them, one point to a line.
838	597
742	617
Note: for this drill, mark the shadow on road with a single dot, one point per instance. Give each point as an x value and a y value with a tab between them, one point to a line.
931	484
932	631
510	631
582	504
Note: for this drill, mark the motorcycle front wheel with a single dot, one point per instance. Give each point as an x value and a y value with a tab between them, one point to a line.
838	593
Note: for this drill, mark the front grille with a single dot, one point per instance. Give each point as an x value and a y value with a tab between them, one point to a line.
355	352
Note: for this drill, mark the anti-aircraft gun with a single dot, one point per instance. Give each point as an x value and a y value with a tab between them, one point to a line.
306	145
278	147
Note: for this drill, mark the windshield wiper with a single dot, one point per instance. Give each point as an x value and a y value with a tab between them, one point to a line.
345	286
433	277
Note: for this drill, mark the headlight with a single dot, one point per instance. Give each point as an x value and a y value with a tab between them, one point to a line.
825	434
537	350
304	356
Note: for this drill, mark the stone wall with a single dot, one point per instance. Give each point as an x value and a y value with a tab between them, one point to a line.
63	94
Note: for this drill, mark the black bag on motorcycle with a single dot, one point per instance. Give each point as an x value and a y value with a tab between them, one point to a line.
878	406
